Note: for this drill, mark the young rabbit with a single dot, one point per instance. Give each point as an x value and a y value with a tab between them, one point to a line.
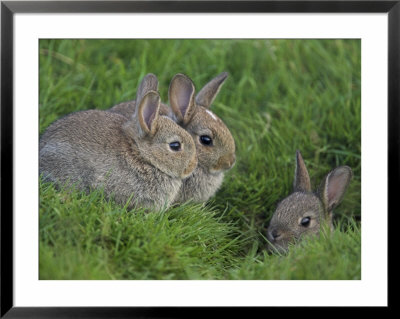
304	212
143	159
215	145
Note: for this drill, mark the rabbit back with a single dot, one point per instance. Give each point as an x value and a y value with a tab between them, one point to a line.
127	109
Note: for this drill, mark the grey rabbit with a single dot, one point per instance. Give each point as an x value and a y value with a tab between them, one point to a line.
215	146
303	212
142	160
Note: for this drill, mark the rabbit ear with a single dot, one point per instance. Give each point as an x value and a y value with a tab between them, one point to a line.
334	186
208	93
181	97
149	83
301	181
148	112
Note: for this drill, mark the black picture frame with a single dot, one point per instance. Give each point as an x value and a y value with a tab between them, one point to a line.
9	8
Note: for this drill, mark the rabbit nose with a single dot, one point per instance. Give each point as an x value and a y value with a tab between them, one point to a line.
226	162
274	234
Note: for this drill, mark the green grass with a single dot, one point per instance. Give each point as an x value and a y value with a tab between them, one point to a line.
281	95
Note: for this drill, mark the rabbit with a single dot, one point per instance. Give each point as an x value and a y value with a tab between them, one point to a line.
215	145
214	142
304	212
141	160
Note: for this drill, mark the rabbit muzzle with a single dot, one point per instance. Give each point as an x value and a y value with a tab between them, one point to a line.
190	168
224	163
278	239
273	235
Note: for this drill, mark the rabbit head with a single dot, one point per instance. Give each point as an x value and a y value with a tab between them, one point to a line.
215	145
160	140
304	212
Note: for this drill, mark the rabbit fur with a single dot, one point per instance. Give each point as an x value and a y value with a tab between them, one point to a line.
304	212
193	114
130	159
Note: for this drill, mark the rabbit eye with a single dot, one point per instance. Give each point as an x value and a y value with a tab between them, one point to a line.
206	140
175	146
305	221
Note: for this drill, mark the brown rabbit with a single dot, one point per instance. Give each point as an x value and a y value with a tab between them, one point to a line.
304	212
143	158
215	145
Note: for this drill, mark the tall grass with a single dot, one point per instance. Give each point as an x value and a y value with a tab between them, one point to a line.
281	95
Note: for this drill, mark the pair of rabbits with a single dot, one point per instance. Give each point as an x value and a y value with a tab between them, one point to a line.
144	153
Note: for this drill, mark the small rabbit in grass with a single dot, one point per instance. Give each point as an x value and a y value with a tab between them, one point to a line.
143	158
215	146
304	212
